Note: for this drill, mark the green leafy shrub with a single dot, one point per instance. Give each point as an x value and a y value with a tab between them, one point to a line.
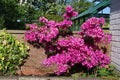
109	71
12	53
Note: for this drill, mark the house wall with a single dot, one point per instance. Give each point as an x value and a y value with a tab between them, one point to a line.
115	31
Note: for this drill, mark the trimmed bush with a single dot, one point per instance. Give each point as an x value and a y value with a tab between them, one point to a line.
12	53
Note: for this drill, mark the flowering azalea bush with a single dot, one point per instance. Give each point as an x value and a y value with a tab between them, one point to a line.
71	50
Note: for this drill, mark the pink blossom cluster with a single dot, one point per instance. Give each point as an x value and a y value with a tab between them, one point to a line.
47	34
51	28
92	27
31	35
70	13
43	20
44	33
76	50
71	50
65	24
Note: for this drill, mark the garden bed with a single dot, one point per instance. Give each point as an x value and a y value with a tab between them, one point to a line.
33	63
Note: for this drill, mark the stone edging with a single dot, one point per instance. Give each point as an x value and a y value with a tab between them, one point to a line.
46	78
23	31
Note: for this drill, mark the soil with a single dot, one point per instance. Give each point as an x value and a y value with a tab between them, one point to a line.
33	64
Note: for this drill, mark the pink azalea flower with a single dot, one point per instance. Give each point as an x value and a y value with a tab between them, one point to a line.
69	9
43	20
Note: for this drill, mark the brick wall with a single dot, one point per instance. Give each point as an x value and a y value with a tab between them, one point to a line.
115	31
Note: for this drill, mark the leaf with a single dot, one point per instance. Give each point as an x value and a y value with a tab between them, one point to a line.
84	75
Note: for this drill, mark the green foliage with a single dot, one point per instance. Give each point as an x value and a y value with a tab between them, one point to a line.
1	22
110	71
46	6
55	8
9	10
103	72
81	5
54	17
12	53
107	25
